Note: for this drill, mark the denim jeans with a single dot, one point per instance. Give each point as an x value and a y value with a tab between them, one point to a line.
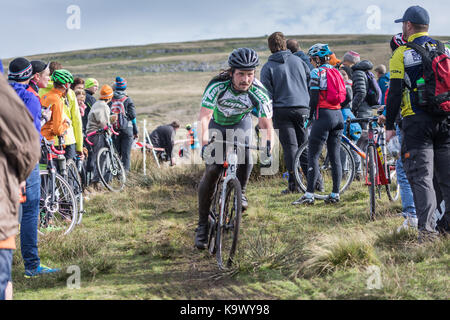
408	207
6	256
29	221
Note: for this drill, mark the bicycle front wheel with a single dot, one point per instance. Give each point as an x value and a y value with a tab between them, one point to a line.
74	179
58	210
229	223
324	184
110	170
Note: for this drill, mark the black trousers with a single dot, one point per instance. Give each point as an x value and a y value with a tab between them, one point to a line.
290	123
212	173
426	155
327	129
123	143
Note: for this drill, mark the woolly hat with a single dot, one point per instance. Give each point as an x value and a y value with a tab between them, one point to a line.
38	66
20	69
352	57
120	84
106	92
90	82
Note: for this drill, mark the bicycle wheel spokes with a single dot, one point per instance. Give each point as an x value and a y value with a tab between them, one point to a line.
324	183
60	214
111	170
230	218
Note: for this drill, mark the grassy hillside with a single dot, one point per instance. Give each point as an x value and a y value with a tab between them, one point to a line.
138	244
166	81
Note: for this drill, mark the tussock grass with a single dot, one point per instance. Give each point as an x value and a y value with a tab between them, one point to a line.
336	252
267	249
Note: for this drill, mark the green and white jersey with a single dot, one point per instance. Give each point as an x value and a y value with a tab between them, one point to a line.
230	106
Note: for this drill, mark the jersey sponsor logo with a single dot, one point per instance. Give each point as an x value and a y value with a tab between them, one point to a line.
212	92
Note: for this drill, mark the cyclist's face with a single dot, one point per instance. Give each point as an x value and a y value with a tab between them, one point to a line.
43	78
243	79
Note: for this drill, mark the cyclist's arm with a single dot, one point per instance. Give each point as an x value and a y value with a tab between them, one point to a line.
266	125
59	124
394	100
313	102
203	119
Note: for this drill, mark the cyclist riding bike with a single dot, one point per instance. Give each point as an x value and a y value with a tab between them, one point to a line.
327	90
227	103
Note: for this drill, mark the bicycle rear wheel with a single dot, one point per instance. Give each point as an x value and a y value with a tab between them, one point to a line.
229	223
371	171
74	179
111	170
325	179
60	215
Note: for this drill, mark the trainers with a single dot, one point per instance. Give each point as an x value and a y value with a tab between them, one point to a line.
332	200
427	236
408	223
201	236
40	270
304	200
244	202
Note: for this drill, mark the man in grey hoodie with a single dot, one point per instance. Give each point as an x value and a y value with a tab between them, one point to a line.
286	79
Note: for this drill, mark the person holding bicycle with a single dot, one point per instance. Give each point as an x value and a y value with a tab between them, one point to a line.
227	103
327	93
99	117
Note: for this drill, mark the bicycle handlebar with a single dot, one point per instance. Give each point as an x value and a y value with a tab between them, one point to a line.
106	128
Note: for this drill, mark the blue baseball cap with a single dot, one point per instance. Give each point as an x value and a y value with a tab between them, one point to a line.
416	15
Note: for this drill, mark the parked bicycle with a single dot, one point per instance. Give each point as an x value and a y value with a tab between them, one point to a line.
324	185
379	171
109	165
226	209
58	209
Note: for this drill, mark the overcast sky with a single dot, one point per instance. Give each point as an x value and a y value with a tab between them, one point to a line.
40	26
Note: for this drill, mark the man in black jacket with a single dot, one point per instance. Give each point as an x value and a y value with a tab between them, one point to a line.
360	107
286	79
164	137
128	128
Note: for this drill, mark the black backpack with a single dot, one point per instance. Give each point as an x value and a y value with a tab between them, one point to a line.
374	94
434	96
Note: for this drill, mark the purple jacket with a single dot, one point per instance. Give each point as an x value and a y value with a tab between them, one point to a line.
31	102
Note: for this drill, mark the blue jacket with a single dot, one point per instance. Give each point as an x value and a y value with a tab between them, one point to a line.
1	66
286	79
383	83
31	102
305	58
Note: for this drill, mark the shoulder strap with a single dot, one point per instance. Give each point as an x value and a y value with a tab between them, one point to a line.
440	47
420	50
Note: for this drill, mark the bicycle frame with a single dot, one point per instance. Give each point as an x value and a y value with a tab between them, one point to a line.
376	139
51	153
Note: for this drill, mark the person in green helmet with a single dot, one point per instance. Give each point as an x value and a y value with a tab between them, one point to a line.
58	123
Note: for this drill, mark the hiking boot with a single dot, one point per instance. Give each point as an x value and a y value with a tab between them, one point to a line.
427	236
201	236
244	202
39	271
332	199
304	200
